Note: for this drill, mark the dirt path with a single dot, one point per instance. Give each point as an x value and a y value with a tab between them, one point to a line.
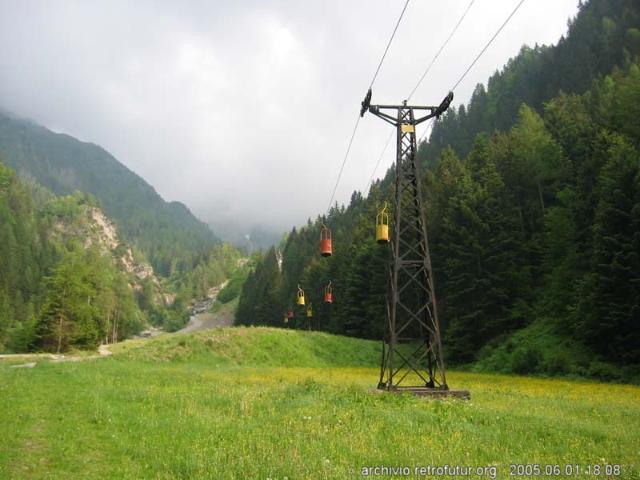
195	324
104	351
206	320
29	356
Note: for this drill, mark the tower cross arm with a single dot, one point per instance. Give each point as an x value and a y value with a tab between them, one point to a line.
376	110
433	111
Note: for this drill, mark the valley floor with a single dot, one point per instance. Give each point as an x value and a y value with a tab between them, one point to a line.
223	316
267	403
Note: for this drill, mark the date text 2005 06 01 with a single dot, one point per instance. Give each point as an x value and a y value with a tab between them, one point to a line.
529	469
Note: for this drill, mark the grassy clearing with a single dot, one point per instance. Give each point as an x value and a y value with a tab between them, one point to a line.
255	347
266	403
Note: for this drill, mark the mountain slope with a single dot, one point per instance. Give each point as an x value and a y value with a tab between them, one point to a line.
166	232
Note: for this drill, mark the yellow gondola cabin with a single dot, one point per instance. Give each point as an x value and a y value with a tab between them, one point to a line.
382	226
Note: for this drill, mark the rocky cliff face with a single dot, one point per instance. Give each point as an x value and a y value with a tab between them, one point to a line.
105	235
96	229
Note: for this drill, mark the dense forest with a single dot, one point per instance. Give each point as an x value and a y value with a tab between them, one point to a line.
533	210
67	280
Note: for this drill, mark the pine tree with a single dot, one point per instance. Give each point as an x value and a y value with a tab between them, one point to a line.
66	314
611	310
480	247
558	298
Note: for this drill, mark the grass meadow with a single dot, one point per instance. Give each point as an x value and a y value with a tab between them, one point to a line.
262	403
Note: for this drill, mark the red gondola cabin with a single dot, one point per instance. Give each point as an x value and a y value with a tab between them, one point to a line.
328	294
325	242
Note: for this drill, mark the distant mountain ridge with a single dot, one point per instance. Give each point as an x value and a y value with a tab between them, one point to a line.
167	233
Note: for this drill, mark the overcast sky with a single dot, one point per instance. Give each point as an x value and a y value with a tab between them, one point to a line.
243	109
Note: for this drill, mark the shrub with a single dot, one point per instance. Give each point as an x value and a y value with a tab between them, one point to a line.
556	362
604	371
525	360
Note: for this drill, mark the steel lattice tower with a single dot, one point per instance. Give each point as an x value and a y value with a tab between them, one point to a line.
412	347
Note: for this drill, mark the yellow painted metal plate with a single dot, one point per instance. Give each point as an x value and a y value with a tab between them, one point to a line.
407	128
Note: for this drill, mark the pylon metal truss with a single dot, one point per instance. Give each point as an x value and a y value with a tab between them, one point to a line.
412	347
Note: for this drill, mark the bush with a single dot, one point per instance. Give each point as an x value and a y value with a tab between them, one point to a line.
525	360
232	289
174	321
604	371
557	362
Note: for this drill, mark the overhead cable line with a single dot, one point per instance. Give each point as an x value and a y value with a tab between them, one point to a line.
384	150
484	49
375	75
487	45
424	75
453	32
355	128
344	161
427	129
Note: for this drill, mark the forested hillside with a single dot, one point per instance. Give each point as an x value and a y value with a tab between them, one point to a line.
57	287
604	34
68	281
166	233
533	210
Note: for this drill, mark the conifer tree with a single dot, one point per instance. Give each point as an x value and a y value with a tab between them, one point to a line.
611	310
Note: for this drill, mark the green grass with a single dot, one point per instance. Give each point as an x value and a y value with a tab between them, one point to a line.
267	403
254	347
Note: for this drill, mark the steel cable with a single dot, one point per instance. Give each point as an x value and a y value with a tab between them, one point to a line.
355	128
424	75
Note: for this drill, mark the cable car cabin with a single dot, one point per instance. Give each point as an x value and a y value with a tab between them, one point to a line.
286	318
300	300
290	314
328	294
325	241
382	226
309	311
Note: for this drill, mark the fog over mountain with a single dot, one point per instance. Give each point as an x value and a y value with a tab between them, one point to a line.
242	110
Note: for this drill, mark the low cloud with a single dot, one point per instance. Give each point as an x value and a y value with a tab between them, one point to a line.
242	110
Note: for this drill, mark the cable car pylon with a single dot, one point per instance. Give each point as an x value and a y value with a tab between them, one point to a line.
412	358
